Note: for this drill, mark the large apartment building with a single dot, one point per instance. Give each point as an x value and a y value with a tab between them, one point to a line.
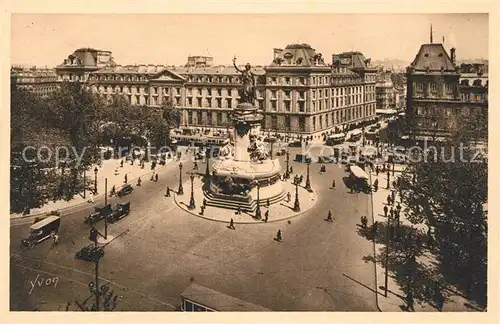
298	92
440	94
40	81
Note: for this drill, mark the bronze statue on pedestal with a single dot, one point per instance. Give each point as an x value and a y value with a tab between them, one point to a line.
247	93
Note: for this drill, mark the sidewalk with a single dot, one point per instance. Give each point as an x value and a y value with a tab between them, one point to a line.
107	170
396	297
277	211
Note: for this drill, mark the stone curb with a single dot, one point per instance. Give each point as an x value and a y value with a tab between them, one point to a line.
240	222
66	210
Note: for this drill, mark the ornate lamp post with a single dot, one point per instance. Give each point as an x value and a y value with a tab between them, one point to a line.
95	179
258	214
287	173
192	204
180	191
308	181
296	205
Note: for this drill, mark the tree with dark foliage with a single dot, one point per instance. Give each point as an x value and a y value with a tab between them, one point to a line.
447	192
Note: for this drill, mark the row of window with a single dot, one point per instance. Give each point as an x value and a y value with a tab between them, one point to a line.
285	122
449	88
443	111
316	105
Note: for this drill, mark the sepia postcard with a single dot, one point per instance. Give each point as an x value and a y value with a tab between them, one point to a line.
261	162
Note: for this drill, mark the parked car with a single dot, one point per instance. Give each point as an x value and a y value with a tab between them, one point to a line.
125	190
90	253
98	215
41	231
120	211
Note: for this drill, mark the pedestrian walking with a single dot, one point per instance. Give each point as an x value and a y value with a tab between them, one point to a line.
152	177
288	197
231	224
291	169
393	196
377	170
156	177
409	300
126	178
116	171
268	203
333	184
204	202
168	192
93	235
375	185
278	236
388	199
386	210
139	182
91	198
121	163
266	216
391	212
375	227
439	298
329	218
202	211
238	211
398	207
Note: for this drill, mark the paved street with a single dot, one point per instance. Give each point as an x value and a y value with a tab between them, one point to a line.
319	265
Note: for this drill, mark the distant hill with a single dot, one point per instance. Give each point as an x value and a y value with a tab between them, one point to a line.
473	61
391	63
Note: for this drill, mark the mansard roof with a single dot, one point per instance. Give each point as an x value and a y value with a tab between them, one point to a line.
433	57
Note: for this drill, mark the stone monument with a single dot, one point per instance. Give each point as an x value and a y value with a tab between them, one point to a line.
244	175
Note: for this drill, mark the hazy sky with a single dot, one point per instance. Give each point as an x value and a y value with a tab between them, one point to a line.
46	39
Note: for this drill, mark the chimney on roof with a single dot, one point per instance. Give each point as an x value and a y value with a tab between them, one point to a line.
277	52
453	56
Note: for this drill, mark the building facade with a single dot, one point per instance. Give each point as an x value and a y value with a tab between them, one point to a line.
390	94
40	81
439	96
298	92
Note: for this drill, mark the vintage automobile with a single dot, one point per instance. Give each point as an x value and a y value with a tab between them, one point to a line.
99	214
41	231
120	211
90	253
125	190
326	159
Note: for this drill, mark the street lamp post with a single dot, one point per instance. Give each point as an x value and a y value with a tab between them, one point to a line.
296	205
95	179
207	170
387	254
192	204
180	191
84	183
287	172
257	210
105	204
308	181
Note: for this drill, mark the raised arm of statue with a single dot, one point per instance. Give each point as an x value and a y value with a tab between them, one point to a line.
234	64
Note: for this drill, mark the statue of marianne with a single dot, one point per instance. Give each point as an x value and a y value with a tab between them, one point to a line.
247	94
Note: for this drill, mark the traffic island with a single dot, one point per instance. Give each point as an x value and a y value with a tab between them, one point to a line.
278	211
